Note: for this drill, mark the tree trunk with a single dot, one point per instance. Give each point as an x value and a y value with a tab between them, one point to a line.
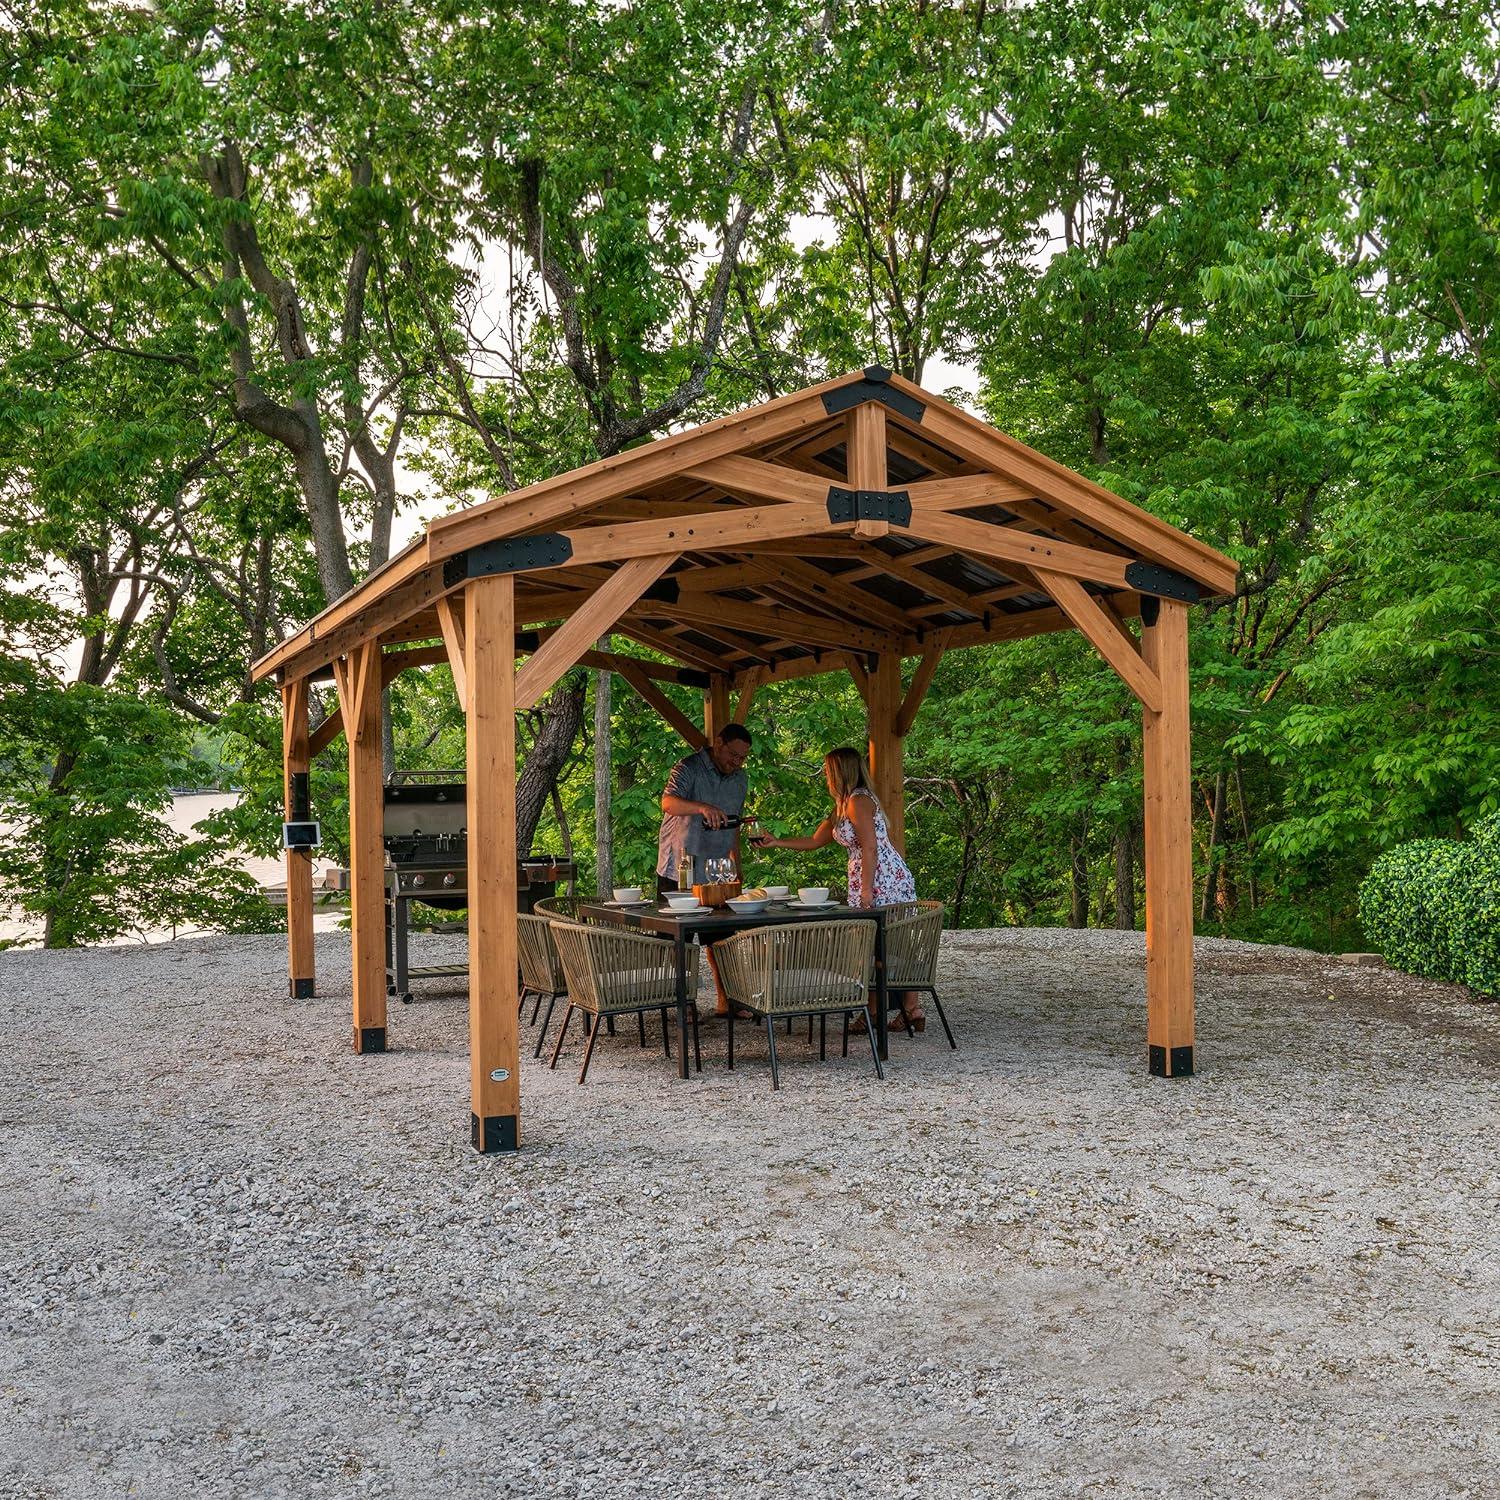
562	716
604	825
1125	878
1215	850
1239	793
1078	911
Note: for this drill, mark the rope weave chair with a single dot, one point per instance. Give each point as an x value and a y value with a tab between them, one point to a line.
912	939
610	973
806	969
541	969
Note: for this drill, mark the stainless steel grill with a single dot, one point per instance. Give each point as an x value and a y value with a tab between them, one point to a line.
426	839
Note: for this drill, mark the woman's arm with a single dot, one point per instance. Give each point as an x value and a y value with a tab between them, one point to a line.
823	836
861	813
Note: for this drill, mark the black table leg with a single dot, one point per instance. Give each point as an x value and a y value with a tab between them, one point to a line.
682	1020
882	1003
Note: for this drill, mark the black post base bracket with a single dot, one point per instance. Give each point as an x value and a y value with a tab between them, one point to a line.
302	989
369	1039
493	1133
1176	1062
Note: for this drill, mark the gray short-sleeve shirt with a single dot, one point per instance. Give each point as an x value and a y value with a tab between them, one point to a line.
696	778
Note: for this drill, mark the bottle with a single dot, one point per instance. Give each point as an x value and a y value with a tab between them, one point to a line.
734	820
684	871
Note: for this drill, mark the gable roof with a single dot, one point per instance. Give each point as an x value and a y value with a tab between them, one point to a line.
785	557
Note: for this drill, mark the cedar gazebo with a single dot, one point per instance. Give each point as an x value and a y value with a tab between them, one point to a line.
843	528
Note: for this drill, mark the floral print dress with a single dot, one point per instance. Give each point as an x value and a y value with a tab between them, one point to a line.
893	883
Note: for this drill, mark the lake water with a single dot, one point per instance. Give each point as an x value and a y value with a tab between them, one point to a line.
187	810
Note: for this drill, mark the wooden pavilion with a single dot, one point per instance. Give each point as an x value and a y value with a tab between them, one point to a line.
842	528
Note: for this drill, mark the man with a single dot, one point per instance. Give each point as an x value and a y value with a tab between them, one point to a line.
705	790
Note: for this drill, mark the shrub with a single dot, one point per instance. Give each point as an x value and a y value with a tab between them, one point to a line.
1432	907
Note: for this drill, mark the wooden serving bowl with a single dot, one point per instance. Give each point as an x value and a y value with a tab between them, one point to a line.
717	895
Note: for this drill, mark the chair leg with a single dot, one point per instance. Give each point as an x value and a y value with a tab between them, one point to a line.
546	1022
943	1017
609	1024
521	1002
640	1020
809	1028
845	1052
588	1051
666	1035
771	1038
729	1064
875	1052
537	1007
562	1031
822	1036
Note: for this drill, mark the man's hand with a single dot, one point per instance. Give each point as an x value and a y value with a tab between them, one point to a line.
715	817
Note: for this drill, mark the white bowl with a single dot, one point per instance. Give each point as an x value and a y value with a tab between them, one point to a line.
681	900
748	905
626	894
778	892
812	895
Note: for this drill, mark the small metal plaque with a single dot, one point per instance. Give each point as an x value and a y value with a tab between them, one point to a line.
499	1075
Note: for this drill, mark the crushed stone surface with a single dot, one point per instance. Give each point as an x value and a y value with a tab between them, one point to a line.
238	1260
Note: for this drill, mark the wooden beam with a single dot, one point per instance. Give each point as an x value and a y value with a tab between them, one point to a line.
887	767
716	704
748	689
1166	743
859	675
1002	543
626	473
1144	534
758	480
296	757
694	657
668	710
450	614
1103	631
963	491
326	732
494	1034
724	529
780	623
906	715
358	676
394	663
867	459
585	625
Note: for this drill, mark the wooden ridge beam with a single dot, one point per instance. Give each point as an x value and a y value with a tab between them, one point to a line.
591	620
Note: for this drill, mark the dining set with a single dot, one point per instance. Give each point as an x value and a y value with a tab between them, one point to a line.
777	957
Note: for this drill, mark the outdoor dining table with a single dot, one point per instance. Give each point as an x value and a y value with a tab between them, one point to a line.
721	922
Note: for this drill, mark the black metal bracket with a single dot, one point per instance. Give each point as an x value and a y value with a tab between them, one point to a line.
512	555
493	1133
874	388
302	989
869	505
1149	578
1150	609
691	677
527	640
1181	1062
369	1039
301	798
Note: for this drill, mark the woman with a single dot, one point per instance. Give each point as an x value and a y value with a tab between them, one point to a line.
878	876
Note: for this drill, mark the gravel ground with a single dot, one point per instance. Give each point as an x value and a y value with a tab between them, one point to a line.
238	1260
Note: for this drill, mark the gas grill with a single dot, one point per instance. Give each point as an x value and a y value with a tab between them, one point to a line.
427	860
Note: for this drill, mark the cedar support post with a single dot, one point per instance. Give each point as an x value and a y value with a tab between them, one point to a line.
296	756
887	749
716	705
1169	847
494	1040
358	676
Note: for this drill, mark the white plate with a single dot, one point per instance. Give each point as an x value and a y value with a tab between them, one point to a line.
812	905
644	901
683	911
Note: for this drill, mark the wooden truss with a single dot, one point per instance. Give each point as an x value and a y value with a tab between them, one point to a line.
842	528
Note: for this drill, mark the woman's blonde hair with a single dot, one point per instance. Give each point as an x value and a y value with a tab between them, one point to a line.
849	773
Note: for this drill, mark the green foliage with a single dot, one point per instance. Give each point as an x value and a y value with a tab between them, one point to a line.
1432	907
